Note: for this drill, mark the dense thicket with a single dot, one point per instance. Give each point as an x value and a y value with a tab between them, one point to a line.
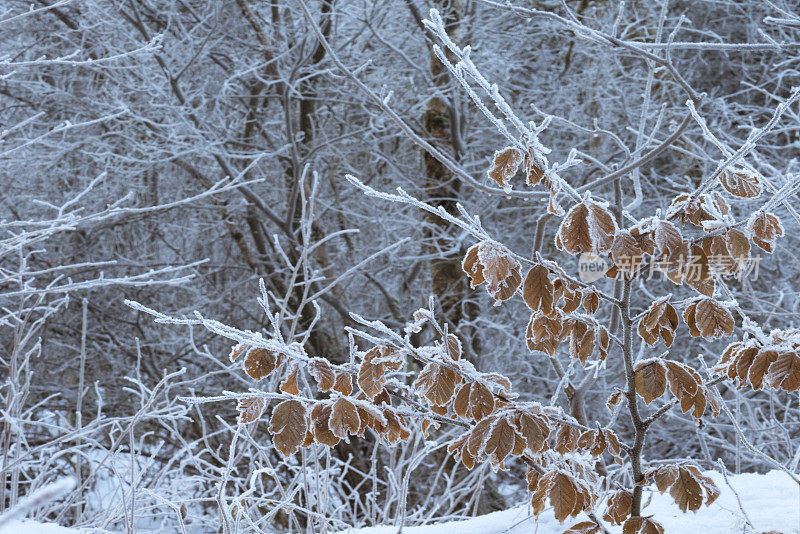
191	156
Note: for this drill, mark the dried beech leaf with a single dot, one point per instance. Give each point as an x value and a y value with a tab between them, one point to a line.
320	425
481	401
708	318
344	420
371	378
650	379
538	290
343	383
453	346
618	507
536	431
461	401
289	384
250	409
584	527
741	183
588	227
323	373
784	372
288	426
614	400
237	350
437	383
625	252
660	320
642	525
500	441
563	496
504	166
490	262
766	228
260	363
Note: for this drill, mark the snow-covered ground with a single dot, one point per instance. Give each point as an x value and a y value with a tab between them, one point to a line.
771	502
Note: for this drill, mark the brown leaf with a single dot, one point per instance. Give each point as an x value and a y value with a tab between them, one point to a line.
472	267
534	171
741	183
500	441
784	372
344	383
650	379
288	426
320	425
588	227
260	363
668	238
478	436
250	409
619	507
591	301
490	262
371	378
686	483
461	402
584	527
563	496
566	439
323	373
481	401
437	383
344	420
614	400
237	350
686	492
536	431
760	364
642	525
537	290
683	380
625	252
453	347
544	333
766	228
660	320
289	384
504	166
738	246
712	319
395	429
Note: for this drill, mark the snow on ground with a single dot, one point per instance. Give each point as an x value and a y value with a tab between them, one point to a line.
771	501
31	527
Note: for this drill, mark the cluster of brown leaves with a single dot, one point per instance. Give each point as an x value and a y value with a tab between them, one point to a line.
293	425
686	484
506	163
553	303
529	430
299	422
774	364
660	320
570	491
654	375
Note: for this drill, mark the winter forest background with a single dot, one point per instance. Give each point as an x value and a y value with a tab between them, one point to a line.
218	313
